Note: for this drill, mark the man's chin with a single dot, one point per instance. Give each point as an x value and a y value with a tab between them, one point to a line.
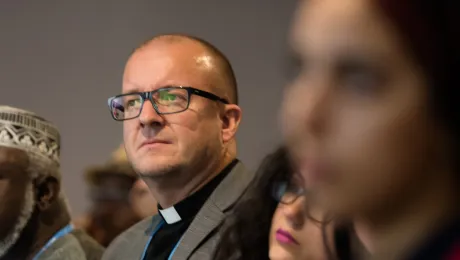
159	169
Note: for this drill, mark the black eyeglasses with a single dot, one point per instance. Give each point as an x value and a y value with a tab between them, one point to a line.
286	192
167	100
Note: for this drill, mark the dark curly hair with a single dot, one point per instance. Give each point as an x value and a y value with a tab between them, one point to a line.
245	234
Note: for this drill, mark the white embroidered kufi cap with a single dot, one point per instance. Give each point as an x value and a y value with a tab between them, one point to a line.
39	138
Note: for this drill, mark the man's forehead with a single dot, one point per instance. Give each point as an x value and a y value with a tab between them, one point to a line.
13	155
158	65
183	54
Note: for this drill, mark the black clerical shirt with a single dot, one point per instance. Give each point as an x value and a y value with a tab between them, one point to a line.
168	236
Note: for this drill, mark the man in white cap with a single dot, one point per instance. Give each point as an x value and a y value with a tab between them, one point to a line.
34	216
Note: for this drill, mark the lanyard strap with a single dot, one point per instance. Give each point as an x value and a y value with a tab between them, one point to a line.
162	222
62	232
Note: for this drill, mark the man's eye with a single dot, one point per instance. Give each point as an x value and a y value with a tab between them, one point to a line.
132	103
165	96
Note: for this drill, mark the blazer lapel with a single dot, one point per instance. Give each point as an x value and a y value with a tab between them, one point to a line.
139	243
213	211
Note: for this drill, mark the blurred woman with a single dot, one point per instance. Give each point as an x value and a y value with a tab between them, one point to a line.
272	221
375	100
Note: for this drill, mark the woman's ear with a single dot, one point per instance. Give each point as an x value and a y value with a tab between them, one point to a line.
231	118
47	192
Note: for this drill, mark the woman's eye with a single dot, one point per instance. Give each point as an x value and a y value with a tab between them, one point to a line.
359	78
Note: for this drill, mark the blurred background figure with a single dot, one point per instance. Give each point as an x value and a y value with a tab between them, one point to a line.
142	201
34	213
372	120
113	196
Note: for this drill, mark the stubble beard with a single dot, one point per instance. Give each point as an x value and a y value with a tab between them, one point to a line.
23	219
161	173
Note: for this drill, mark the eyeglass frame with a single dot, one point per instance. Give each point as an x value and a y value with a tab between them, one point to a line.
299	193
148	95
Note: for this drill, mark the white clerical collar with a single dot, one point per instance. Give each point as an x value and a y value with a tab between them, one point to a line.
170	215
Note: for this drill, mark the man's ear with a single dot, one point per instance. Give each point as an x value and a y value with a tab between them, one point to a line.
231	118
47	192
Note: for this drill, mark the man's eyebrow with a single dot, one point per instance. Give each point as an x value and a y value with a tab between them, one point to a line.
134	88
133	91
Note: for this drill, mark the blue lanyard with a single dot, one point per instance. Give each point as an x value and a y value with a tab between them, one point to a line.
64	231
150	239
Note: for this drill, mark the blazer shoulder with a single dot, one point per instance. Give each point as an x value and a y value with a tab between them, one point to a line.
129	241
93	249
66	247
232	187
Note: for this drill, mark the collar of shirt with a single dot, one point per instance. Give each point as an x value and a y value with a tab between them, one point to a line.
189	207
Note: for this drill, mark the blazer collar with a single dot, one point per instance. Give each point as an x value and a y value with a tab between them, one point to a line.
213	211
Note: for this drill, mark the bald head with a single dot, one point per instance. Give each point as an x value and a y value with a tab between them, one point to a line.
179	94
211	59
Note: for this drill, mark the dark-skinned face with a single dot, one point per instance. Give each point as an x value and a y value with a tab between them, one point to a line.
16	196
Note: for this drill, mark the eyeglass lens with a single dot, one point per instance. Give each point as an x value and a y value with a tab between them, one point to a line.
287	192
166	101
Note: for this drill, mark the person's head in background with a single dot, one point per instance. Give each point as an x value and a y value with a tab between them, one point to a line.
142	201
112	210
32	206
371	118
297	225
271	221
180	121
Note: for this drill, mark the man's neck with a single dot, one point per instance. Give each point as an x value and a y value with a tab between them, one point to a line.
405	230
35	235
169	192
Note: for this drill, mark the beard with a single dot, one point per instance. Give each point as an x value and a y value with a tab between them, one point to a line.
22	220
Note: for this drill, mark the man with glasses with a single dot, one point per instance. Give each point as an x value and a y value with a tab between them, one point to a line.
180	115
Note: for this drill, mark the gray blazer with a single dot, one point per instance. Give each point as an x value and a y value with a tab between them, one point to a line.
199	240
66	247
76	245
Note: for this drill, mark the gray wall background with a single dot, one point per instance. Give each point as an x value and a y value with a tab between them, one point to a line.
63	59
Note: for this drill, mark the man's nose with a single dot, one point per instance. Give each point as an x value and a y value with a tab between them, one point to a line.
149	116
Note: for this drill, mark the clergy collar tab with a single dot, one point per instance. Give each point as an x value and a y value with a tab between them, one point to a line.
170	215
